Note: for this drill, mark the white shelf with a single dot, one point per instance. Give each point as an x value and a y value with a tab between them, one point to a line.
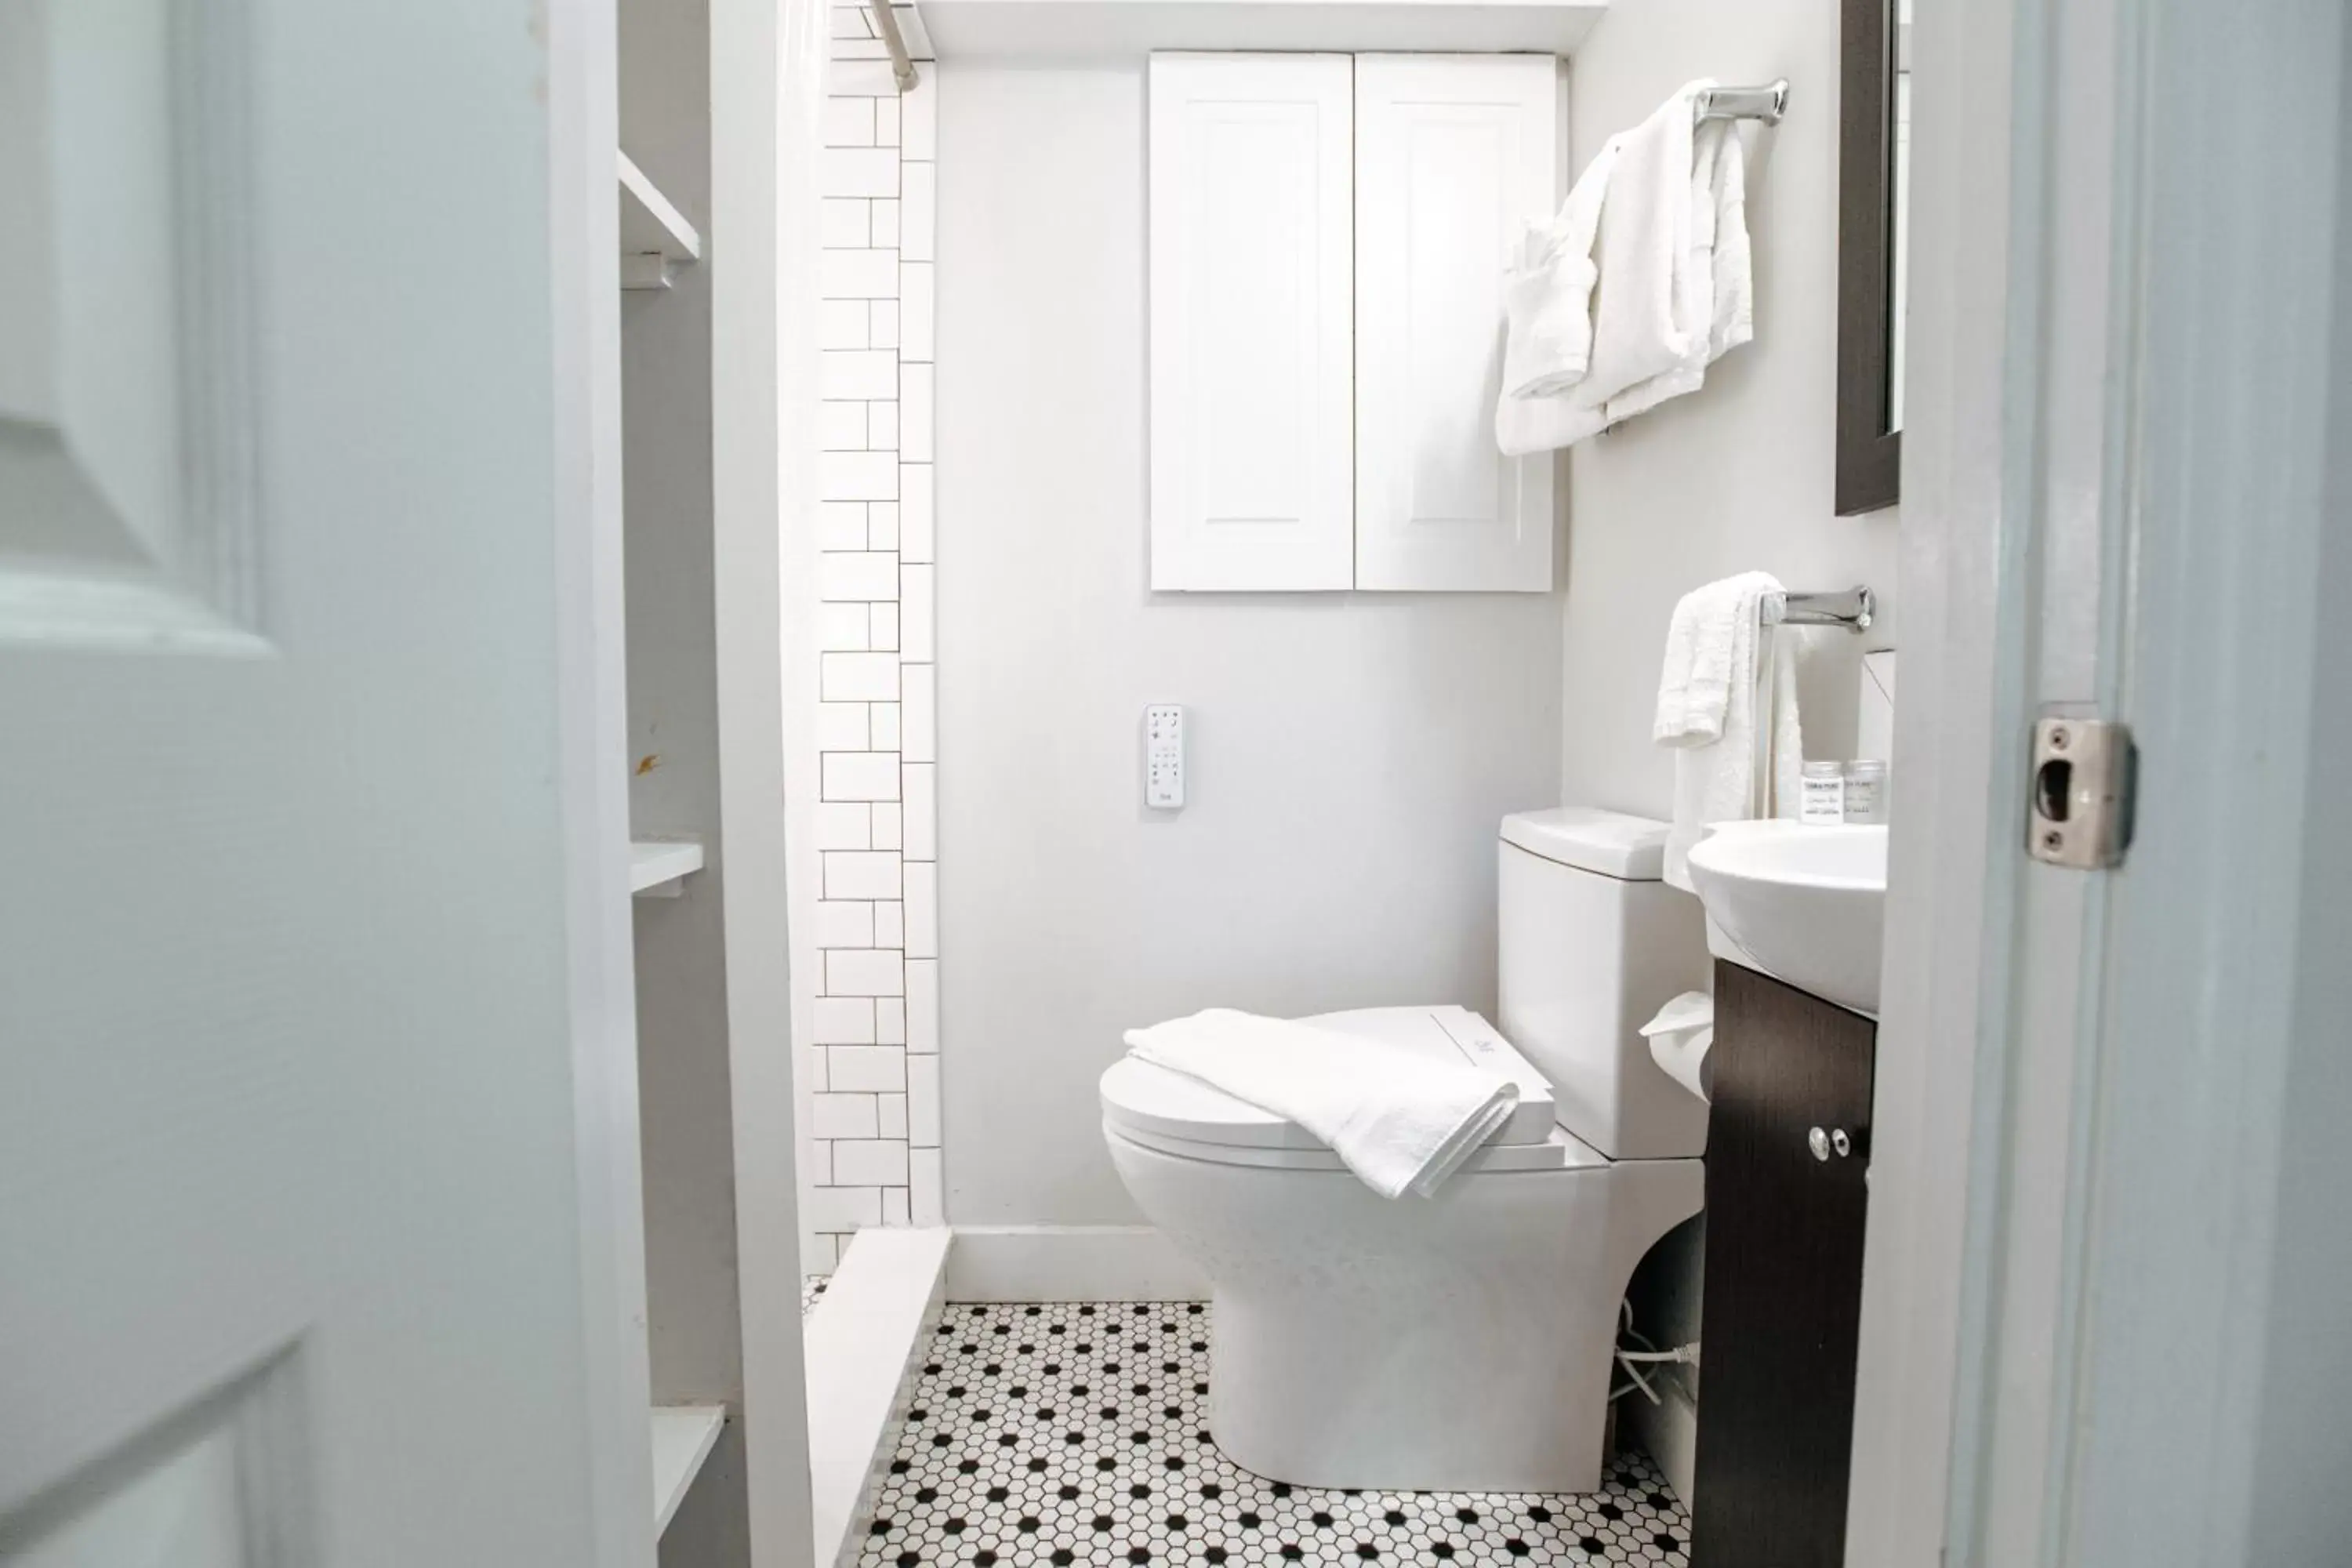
655	238
683	1437
656	866
981	29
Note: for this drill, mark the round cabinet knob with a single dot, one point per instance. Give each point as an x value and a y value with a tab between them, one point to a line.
1841	1142
1819	1143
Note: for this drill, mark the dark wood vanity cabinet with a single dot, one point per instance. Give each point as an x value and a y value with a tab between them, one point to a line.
1787	1140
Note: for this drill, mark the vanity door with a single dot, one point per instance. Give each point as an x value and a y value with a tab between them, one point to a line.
1787	1143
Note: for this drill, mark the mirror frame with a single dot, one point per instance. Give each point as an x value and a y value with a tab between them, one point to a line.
1869	455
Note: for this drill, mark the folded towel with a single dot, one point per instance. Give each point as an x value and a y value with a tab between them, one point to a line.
1671	289
1548	291
1400	1122
1647	308
1541	420
1527	424
1780	751
1711	650
1702	291
1734	279
1728	704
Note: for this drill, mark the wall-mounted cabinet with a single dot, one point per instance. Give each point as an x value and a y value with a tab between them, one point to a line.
1093	30
1328	234
1253	314
1452	153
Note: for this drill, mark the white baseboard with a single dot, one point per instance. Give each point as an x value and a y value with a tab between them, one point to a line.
863	1345
1069	1263
1667	1432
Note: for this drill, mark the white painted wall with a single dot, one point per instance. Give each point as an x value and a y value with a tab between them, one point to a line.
1739	477
1350	754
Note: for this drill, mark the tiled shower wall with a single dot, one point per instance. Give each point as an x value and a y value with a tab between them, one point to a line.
871	1057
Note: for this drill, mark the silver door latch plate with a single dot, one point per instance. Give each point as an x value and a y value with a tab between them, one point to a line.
2080	792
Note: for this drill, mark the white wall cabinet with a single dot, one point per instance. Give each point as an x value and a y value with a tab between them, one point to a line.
1327	240
1453	152
1252	472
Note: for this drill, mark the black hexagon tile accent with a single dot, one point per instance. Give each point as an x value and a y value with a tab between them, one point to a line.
1077	1434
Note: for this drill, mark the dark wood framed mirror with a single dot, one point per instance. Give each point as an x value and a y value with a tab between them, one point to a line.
1873	147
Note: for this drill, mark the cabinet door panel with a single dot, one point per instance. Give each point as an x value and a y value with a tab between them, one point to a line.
1783	1290
1452	153
1252	402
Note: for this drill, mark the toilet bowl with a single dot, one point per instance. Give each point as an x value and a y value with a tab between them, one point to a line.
1460	1342
1463	1342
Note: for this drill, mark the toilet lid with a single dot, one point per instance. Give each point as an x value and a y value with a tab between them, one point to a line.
1142	1098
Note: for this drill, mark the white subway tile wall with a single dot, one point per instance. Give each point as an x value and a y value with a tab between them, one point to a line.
872	1061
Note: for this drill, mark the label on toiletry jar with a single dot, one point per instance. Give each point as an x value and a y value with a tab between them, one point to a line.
1824	799
1865	791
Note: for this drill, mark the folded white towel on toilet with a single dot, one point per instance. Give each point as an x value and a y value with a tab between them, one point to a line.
1400	1122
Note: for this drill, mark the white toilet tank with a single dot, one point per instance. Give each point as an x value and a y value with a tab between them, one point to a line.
1593	944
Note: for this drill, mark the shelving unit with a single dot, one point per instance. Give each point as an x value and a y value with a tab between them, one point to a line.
681	373
684	1435
657	866
703	1452
656	238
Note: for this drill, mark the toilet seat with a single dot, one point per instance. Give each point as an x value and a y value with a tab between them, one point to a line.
1168	1111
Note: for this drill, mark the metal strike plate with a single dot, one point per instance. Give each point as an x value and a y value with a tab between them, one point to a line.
2079	793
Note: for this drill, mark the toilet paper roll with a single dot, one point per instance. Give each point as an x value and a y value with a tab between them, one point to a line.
1681	1037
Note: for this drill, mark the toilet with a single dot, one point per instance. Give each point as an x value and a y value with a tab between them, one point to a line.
1461	1342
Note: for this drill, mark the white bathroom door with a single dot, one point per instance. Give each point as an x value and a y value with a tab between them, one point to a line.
312	1251
2106	1267
1454	152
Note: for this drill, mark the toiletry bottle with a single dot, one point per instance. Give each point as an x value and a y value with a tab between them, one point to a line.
1824	794
1865	791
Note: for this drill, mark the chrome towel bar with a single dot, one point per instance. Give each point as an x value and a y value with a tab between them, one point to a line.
1764	103
1852	608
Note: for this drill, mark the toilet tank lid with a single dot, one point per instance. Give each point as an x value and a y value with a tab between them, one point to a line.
1630	848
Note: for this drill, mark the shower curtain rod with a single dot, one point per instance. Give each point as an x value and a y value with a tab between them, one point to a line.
886	27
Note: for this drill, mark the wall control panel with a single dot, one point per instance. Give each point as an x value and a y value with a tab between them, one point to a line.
1163	756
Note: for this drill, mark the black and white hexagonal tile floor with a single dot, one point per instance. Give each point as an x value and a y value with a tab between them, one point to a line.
1075	1432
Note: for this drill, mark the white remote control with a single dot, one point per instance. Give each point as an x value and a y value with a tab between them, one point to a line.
1163	756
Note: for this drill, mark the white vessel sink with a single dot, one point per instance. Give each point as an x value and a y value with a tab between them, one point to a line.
1800	904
